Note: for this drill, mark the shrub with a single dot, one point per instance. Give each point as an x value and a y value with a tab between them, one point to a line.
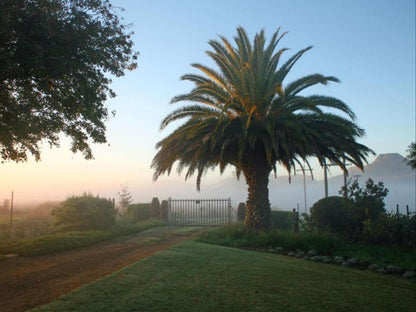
164	209
239	236
332	213
138	212
85	212
368	201
155	208
241	211
283	220
391	229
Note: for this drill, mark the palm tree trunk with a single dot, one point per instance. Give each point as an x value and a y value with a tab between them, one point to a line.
258	212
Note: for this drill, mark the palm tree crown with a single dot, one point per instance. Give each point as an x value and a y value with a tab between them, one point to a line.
242	115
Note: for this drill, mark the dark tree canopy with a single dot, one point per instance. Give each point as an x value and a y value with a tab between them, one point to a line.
56	57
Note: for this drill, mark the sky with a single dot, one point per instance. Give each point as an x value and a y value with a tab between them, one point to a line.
369	45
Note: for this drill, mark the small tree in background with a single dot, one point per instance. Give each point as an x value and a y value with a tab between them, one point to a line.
155	208
368	201
411	157
85	212
124	199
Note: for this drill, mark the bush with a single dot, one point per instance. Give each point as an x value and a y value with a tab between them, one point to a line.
323	242
138	212
283	220
368	201
85	212
391	229
332	213
155	211
241	211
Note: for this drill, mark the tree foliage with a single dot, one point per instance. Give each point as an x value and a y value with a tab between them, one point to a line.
246	116
411	156
124	198
368	200
352	214
56	58
85	212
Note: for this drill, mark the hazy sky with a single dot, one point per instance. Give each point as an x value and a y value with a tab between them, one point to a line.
369	45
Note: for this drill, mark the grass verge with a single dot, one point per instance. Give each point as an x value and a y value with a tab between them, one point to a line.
70	240
194	276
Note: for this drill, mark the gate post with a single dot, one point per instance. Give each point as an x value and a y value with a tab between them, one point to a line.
229	210
169	210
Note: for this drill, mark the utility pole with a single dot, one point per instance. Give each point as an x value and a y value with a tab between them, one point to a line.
326	177
304	186
345	177
11	214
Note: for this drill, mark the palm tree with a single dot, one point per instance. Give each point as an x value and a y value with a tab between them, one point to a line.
242	115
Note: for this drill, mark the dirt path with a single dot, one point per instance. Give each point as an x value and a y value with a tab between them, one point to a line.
27	282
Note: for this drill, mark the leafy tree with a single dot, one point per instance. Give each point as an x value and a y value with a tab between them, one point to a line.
411	157
56	57
124	198
243	115
85	212
367	201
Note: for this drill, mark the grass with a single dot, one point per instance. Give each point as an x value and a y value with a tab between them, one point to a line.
57	242
194	276
324	243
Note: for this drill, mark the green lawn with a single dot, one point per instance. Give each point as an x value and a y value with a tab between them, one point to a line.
194	276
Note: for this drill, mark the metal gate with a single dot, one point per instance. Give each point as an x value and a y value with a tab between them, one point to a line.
200	211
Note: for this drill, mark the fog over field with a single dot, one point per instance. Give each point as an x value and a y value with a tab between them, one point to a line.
391	169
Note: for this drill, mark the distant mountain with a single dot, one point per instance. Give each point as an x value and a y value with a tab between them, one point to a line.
392	166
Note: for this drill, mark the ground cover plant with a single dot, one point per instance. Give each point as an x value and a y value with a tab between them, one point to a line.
193	276
61	241
324	243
